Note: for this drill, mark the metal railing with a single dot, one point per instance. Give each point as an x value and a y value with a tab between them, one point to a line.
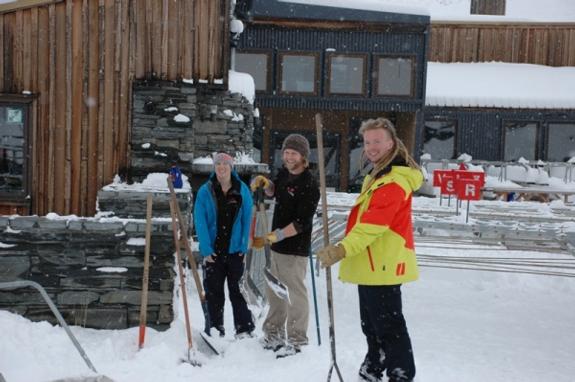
25	284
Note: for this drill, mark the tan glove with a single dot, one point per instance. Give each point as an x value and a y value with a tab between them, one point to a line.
275	236
330	255
260	181
258	242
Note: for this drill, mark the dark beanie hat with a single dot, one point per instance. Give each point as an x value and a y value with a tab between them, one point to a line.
298	143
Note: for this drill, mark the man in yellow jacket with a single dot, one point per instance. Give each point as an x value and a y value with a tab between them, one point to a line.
377	252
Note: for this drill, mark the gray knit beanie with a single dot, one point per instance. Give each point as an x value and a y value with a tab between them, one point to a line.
298	143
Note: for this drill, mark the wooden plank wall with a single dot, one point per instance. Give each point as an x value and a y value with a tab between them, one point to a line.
543	44
79	57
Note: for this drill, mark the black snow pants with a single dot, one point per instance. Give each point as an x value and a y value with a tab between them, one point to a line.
388	343
230	267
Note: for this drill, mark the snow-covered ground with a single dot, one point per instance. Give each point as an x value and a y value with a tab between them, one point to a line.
466	325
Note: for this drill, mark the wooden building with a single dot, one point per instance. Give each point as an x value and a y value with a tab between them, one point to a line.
66	73
68	69
348	64
502	132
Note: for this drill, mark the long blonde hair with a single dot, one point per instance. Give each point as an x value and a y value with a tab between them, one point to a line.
398	148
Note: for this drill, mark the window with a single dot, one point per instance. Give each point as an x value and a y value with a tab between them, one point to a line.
394	76
561	142
346	74
331	154
520	141
298	73
13	148
255	64
439	139
488	7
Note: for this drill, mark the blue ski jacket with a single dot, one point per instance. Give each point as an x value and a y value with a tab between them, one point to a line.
205	219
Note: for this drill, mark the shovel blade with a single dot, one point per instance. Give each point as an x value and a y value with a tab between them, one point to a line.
279	289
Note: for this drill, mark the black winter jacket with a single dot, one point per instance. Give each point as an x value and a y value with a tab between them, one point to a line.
297	197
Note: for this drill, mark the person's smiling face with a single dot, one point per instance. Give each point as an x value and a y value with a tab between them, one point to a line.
293	161
223	171
376	144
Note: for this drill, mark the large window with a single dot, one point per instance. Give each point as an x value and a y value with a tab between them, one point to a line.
439	139
561	142
13	148
256	64
298	73
520	141
394	76
331	149
346	74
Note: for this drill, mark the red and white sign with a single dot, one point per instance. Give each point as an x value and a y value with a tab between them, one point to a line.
438	176
462	175
469	189
465	184
448	186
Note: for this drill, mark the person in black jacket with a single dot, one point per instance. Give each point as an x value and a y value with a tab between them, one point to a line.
297	194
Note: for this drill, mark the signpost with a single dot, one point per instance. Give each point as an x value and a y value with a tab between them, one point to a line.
464	184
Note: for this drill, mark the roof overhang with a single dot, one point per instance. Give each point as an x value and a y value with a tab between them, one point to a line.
269	10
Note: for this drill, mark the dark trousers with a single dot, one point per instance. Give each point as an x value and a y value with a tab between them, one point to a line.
388	343
230	267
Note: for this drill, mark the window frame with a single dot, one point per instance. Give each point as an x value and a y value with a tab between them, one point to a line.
364	86
21	198
375	84
316	82
269	75
504	135
455	135
548	132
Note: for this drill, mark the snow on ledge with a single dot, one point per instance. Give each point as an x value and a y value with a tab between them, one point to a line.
497	84
242	83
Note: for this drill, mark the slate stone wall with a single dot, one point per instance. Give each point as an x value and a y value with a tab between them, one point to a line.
177	122
76	262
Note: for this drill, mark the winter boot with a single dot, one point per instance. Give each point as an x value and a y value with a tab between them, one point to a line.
287	350
243	335
366	375
271	344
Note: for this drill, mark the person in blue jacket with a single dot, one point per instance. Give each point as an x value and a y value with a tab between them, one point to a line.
222	216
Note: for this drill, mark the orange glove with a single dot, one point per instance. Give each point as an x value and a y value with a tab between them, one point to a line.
260	181
330	255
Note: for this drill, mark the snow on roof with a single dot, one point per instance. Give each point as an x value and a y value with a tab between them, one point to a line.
391	6
459	10
497	84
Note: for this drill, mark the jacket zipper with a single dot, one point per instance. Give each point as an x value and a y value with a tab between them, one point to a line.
370	259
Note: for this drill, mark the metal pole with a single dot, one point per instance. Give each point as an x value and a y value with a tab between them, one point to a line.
48	300
314	299
321	165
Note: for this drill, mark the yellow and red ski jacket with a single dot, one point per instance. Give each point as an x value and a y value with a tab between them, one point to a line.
378	243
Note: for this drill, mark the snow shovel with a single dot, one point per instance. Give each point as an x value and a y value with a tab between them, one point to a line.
145	276
279	289
248	287
192	261
175	233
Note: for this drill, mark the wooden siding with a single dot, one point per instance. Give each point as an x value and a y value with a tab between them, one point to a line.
79	57
543	44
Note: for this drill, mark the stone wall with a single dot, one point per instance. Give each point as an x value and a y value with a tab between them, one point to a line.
92	267
177	122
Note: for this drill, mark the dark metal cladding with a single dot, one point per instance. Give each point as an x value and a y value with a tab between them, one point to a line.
480	130
273	9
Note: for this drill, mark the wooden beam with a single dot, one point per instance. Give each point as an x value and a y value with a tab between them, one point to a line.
24	4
